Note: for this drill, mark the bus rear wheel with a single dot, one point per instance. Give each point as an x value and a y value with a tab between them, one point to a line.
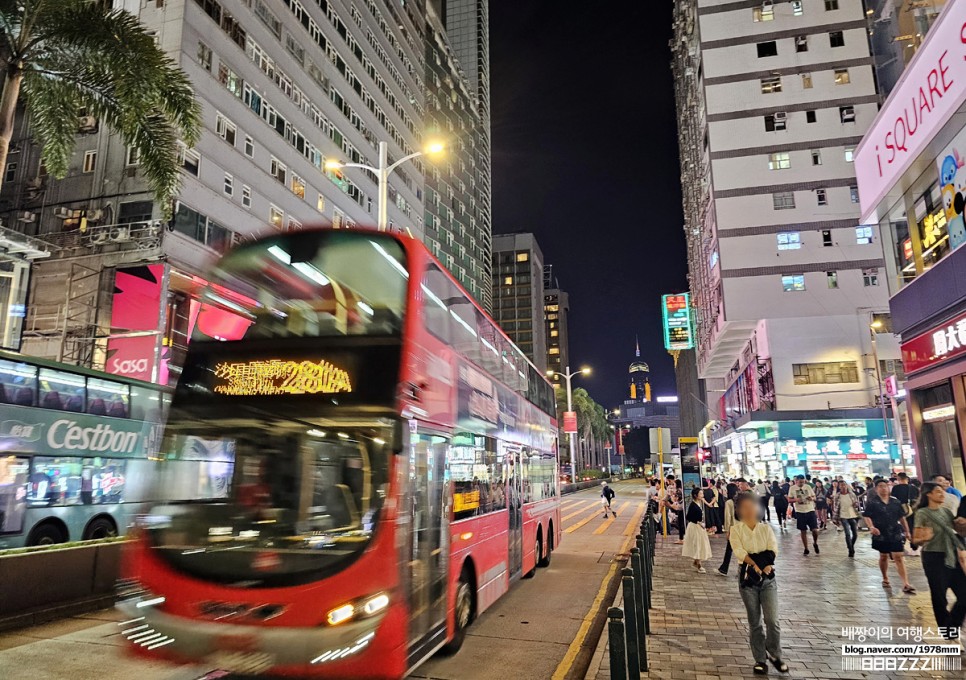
545	560
101	527
537	556
462	614
46	534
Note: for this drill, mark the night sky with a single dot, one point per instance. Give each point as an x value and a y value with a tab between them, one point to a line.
585	156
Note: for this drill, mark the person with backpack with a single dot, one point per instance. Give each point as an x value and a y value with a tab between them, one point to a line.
606	496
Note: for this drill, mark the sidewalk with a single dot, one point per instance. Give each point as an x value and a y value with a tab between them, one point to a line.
700	631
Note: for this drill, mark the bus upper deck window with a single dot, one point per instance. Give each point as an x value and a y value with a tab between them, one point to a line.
62	391
107	398
18	383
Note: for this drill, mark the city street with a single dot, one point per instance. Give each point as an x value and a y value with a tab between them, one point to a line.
537	629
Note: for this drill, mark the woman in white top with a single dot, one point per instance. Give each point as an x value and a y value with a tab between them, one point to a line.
755	548
845	513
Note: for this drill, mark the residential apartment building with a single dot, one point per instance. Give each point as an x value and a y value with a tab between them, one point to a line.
518	294
556	314
283	87
773	98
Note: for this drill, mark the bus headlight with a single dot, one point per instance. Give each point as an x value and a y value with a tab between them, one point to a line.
375	604
361	608
340	614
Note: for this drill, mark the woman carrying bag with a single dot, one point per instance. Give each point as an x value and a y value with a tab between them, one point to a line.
943	558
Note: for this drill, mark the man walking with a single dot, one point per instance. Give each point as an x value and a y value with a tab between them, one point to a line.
764	495
606	496
802	496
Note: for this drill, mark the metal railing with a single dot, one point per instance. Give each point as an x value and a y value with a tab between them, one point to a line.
101	237
628	628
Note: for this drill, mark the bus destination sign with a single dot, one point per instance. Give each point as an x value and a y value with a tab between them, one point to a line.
266	377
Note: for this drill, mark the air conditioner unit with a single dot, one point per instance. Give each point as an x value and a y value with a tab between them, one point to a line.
87	122
35	183
95	215
61	213
781	115
99	236
120	234
26	216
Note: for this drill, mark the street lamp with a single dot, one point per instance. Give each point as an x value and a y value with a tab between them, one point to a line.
873	327
382	173
567	375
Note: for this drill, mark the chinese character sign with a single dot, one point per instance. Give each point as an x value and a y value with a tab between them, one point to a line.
678	329
273	376
935	346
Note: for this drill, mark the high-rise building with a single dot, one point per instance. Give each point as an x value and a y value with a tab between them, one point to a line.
468	28
772	100
283	88
556	315
639	377
518	295
457	227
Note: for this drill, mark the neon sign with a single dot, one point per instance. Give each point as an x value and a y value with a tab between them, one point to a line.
678	331
278	376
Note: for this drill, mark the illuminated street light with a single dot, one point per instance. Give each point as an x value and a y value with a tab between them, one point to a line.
382	172
567	375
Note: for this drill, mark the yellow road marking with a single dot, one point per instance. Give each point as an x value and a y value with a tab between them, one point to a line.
582	509
595	512
610	520
568	661
635	523
569	504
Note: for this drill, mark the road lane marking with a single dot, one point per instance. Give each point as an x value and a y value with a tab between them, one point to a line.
595	512
569	504
633	527
610	520
582	510
574	649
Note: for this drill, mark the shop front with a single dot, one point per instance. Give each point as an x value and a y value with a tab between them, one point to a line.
911	170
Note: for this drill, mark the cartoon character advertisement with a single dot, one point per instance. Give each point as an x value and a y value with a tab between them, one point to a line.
952	182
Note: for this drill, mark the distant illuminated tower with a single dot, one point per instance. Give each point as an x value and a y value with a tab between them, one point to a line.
638	370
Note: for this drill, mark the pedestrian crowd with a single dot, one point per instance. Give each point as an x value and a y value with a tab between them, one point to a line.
904	518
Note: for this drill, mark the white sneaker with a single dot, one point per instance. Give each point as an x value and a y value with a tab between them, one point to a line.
702	570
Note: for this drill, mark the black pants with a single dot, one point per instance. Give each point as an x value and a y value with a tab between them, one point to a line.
765	509
781	509
941	578
680	522
726	562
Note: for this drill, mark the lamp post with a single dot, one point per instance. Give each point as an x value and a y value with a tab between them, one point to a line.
567	375
873	327
382	172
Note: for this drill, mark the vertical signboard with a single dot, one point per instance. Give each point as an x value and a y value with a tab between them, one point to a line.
570	422
678	330
132	348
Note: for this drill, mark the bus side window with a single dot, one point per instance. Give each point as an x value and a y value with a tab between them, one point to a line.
62	391
107	398
18	382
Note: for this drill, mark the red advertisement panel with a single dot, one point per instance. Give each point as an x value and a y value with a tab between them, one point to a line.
570	422
935	346
136	309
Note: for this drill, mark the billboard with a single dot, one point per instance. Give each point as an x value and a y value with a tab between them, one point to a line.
678	329
570	422
132	347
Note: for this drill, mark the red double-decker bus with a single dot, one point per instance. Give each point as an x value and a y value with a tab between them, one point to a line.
369	464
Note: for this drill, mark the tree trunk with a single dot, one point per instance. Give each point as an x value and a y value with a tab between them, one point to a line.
8	110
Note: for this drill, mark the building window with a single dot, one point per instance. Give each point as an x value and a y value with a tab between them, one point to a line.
783	200
831	4
822	196
863	235
776	121
229	185
833	279
779	161
293	224
771	84
764	13
827	238
278	170
523	257
842	76
797	10
11	172
204	56
826	373
246	196
847	114
276	217
249	147
816	157
806	81
767	49
854	193
225	129
320	203
870	277
132	156
810	117
508	281
90	161
793	283
190	161
789	240
836	39
298	186
801	43
849	154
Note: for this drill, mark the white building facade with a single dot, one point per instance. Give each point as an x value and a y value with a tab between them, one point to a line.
773	98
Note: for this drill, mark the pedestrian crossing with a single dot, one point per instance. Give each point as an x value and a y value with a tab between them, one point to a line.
610	520
580	513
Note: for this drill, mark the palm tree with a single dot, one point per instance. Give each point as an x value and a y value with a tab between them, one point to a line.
68	56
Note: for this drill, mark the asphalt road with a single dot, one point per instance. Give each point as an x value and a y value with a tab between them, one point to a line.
534	632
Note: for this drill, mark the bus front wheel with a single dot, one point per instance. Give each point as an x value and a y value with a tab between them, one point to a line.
46	534
462	613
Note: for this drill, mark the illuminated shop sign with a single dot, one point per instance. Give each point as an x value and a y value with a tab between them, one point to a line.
852	449
935	346
944	412
678	331
276	376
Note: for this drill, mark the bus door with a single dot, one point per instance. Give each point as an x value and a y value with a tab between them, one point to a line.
428	545
514	484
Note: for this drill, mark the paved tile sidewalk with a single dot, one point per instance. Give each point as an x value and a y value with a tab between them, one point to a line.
700	631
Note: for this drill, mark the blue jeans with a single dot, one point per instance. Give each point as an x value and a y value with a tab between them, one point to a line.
850	529
761	602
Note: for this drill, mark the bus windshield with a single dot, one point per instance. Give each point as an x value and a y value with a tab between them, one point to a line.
284	503
306	284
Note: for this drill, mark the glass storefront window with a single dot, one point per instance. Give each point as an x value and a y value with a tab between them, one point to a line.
107	398
18	383
62	391
939	443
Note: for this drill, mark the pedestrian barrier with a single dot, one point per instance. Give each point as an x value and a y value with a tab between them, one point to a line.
628	628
